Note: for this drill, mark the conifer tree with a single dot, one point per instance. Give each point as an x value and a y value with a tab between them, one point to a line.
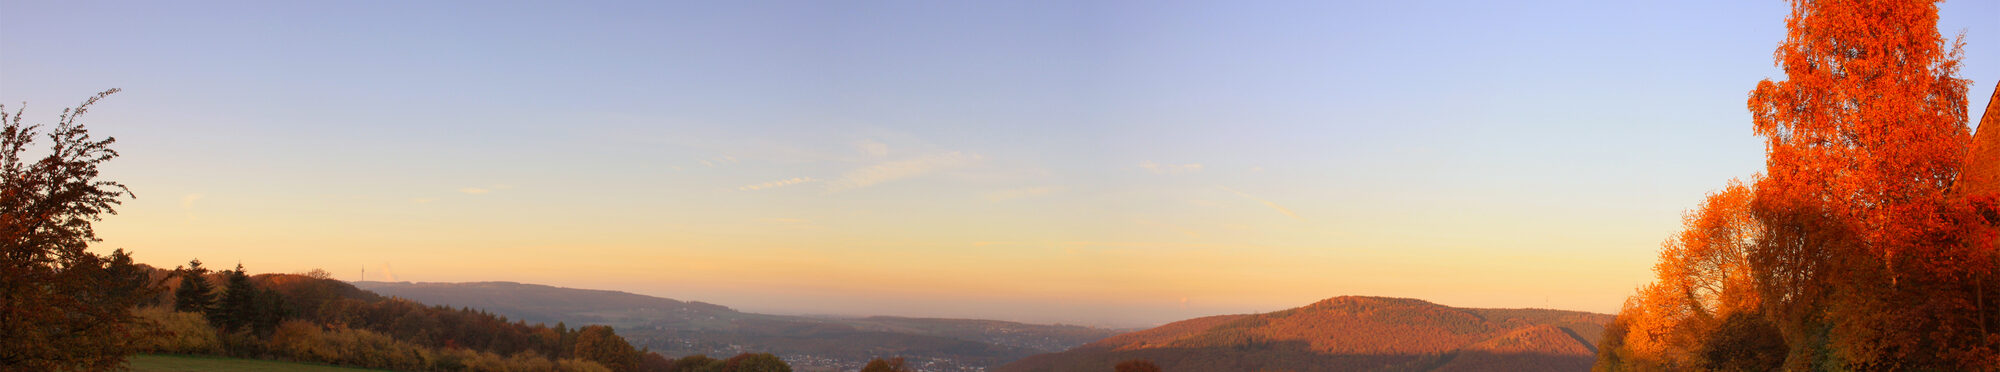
237	303
194	295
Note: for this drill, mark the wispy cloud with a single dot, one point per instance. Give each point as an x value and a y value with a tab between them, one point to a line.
776	184
712	162
474	190
187	204
786	221
423	200
187	201
1004	195
1268	203
1158	168
872	148
900	169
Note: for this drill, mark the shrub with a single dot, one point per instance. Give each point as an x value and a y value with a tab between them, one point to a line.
163	330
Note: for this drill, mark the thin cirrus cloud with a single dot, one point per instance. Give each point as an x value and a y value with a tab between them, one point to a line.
1268	203
776	184
900	169
1158	168
187	204
719	160
474	191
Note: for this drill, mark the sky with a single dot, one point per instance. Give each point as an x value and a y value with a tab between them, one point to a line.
1115	163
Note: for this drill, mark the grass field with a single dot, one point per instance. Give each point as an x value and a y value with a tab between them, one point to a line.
186	363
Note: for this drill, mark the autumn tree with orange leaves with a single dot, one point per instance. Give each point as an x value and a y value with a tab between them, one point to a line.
1852	250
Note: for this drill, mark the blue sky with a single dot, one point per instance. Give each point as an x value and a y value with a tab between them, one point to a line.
1087	162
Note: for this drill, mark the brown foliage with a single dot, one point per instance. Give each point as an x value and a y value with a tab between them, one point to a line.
886	365
599	344
1136	365
61	308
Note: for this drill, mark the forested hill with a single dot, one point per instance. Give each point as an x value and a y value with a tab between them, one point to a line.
547	304
675	327
1351	334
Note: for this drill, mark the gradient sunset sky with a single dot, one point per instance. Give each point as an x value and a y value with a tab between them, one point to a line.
1108	163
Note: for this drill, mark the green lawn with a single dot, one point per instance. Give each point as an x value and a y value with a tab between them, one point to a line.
187	363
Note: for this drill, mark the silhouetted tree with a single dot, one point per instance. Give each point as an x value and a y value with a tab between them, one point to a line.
238	304
194	294
59	306
126	279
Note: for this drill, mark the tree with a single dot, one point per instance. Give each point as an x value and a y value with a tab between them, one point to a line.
126	279
653	362
59	309
1136	365
759	362
1864	141
1744	341
195	294
238	303
886	365
1852	250
696	363
1703	276
600	344
244	306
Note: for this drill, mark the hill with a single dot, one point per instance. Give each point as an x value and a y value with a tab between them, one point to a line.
1350	334
547	304
674	327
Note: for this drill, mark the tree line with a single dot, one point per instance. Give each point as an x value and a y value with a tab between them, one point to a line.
1857	247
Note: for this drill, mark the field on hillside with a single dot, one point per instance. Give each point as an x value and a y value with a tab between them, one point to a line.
186	363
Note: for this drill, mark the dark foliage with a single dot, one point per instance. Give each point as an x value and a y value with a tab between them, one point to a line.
194	294
654	362
61	308
695	363
1136	365
886	365
600	344
759	362
1745	342
245	307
